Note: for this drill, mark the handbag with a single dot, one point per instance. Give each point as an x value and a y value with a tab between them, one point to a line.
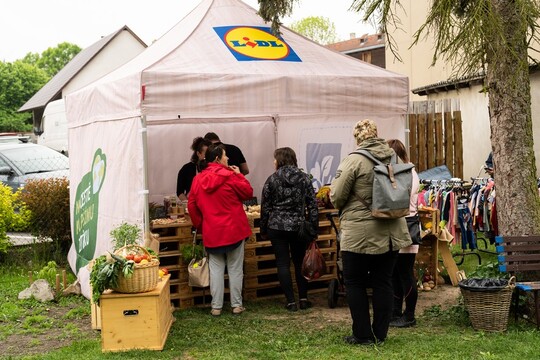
413	223
198	269
313	265
306	230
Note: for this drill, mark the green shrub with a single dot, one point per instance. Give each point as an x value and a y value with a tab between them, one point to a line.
488	270
48	202
13	216
48	272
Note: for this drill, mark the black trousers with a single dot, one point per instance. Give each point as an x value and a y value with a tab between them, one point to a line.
286	247
362	271
405	286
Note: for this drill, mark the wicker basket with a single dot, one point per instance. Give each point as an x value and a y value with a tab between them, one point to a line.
145	276
488	310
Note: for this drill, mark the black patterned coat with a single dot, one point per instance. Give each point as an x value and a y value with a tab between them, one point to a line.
281	202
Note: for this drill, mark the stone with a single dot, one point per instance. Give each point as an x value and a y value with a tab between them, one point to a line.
73	289
40	289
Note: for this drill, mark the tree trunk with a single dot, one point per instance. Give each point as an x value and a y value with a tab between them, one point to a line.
518	203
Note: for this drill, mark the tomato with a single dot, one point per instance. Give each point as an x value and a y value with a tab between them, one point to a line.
145	256
130	256
137	258
165	271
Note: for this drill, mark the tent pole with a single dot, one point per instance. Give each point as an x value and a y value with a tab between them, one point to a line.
146	212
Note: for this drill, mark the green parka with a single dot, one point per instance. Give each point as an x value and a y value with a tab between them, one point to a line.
361	232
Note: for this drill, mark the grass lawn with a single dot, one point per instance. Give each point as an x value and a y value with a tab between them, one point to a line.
61	330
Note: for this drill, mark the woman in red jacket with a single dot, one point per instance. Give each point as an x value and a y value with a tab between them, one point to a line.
215	207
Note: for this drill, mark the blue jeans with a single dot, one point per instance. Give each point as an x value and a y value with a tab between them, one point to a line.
466	227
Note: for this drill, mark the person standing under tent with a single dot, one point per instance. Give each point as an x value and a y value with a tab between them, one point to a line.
403	278
369	246
189	170
236	157
215	207
286	197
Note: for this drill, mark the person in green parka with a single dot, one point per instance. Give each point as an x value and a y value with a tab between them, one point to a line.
369	246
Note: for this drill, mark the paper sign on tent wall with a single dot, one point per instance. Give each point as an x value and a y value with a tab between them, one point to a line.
255	43
322	161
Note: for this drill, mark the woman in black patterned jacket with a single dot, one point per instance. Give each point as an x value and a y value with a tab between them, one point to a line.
285	193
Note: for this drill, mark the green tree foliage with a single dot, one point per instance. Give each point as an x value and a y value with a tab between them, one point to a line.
53	59
19	81
474	35
317	28
273	10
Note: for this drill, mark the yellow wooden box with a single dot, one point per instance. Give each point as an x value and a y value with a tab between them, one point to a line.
95	315
136	321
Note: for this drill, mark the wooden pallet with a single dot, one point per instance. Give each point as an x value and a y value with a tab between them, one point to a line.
260	273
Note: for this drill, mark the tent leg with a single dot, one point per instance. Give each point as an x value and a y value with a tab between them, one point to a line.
146	211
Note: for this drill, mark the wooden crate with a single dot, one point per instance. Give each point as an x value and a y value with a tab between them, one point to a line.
95	315
136	321
428	253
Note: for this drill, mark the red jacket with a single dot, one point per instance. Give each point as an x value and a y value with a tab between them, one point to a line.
215	205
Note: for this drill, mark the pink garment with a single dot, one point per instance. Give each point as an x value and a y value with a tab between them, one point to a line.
411	249
422	198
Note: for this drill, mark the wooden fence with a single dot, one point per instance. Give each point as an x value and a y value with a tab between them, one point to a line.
435	136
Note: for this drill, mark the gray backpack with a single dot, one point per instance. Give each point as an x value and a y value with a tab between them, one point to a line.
392	186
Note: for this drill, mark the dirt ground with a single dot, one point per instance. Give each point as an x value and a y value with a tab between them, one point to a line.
57	336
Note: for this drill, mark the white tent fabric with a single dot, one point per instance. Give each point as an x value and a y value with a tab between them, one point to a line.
194	80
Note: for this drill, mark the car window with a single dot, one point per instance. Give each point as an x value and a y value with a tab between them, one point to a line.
36	159
3	163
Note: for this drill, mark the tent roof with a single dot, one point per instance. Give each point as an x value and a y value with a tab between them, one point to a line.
192	62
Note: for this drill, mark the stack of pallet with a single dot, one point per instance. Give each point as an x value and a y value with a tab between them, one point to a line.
260	273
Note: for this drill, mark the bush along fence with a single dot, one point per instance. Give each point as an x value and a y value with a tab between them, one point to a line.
37	213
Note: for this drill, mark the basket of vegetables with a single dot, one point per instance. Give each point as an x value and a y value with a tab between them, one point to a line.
140	270
131	268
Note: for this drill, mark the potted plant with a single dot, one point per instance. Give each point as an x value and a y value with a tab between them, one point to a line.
114	270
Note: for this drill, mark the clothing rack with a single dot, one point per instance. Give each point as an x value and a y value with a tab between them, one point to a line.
462	188
453	181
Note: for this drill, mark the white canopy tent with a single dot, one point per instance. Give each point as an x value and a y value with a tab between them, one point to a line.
219	69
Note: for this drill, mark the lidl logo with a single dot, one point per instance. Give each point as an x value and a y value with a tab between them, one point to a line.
253	43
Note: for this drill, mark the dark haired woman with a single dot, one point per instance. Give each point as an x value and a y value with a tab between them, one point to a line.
189	170
215	207
287	195
403	277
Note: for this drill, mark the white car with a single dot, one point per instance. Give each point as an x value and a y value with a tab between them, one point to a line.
22	162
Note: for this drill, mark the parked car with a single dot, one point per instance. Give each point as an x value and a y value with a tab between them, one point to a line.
13	138
22	162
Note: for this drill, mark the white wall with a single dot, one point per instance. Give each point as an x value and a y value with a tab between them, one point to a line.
476	129
120	50
474	105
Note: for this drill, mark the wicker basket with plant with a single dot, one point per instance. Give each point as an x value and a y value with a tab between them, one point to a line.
130	268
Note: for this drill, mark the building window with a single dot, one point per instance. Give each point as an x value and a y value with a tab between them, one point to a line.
366	56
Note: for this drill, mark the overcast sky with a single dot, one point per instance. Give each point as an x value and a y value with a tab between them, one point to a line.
35	25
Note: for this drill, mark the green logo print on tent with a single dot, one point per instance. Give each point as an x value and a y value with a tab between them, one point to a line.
86	210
